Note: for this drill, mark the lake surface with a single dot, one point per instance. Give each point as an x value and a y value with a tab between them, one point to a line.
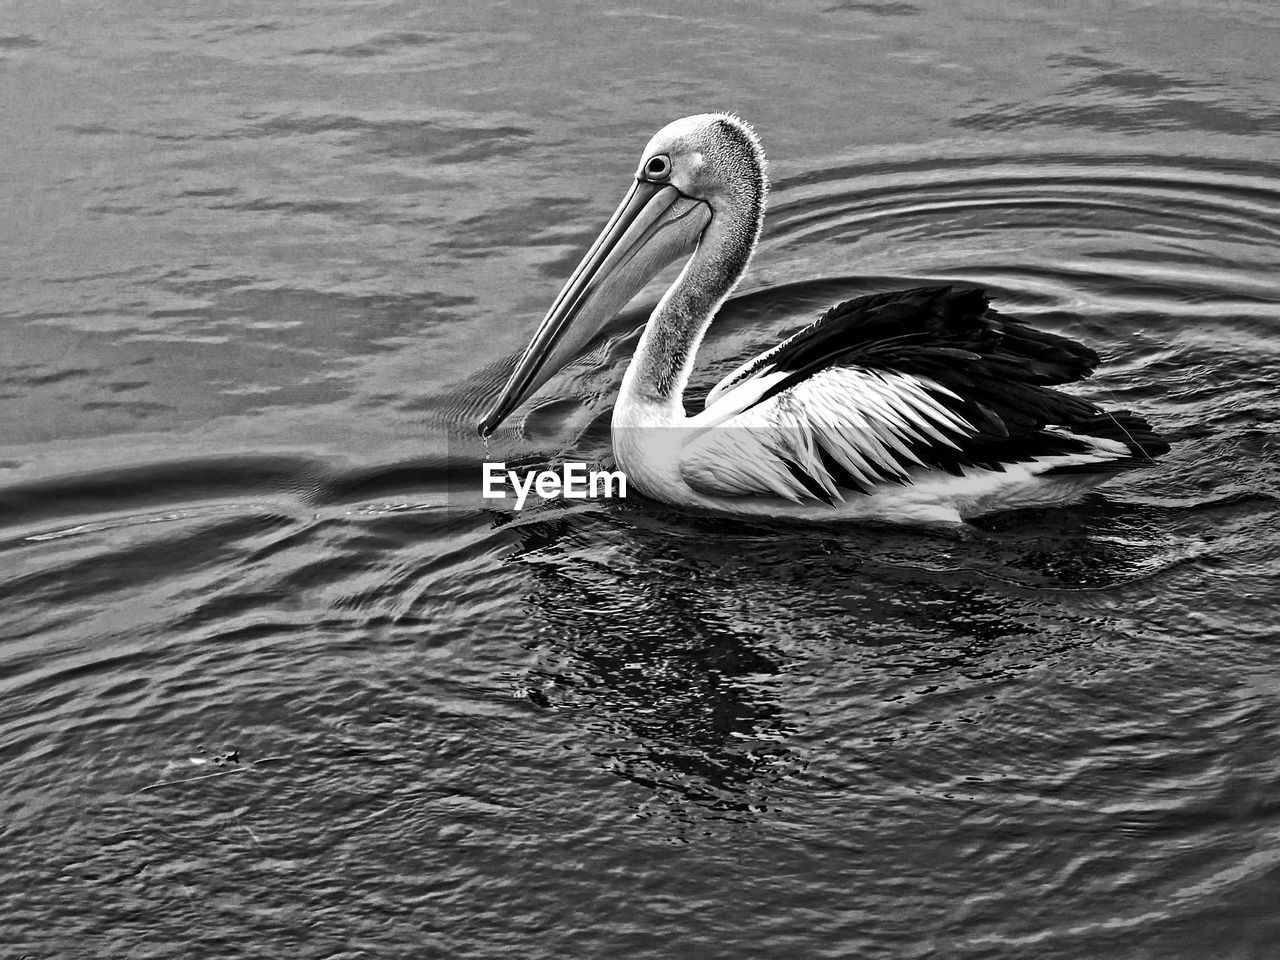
275	681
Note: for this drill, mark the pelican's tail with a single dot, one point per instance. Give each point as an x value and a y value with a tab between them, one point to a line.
1116	427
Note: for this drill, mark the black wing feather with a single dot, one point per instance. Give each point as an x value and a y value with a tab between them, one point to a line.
997	373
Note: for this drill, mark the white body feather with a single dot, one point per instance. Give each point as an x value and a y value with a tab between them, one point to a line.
734	462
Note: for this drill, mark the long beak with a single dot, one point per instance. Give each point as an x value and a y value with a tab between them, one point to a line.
652	226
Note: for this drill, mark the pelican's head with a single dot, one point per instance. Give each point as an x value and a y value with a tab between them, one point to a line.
695	171
712	157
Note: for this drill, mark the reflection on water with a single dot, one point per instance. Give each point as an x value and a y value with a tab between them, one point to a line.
669	646
278	681
644	647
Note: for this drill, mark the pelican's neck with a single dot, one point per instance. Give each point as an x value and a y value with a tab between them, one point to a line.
664	359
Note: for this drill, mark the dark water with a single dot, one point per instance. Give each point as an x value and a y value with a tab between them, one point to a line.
274	681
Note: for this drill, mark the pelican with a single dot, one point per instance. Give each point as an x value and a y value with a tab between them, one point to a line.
921	405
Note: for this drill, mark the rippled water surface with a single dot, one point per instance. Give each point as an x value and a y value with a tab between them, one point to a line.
276	681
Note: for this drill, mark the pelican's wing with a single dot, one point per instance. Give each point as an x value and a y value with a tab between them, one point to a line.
951	336
883	387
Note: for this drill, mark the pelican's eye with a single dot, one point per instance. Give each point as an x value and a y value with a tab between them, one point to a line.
658	168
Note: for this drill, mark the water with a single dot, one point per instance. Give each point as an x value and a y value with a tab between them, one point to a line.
275	682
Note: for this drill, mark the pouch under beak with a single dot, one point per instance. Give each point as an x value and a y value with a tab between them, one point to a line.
654	224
